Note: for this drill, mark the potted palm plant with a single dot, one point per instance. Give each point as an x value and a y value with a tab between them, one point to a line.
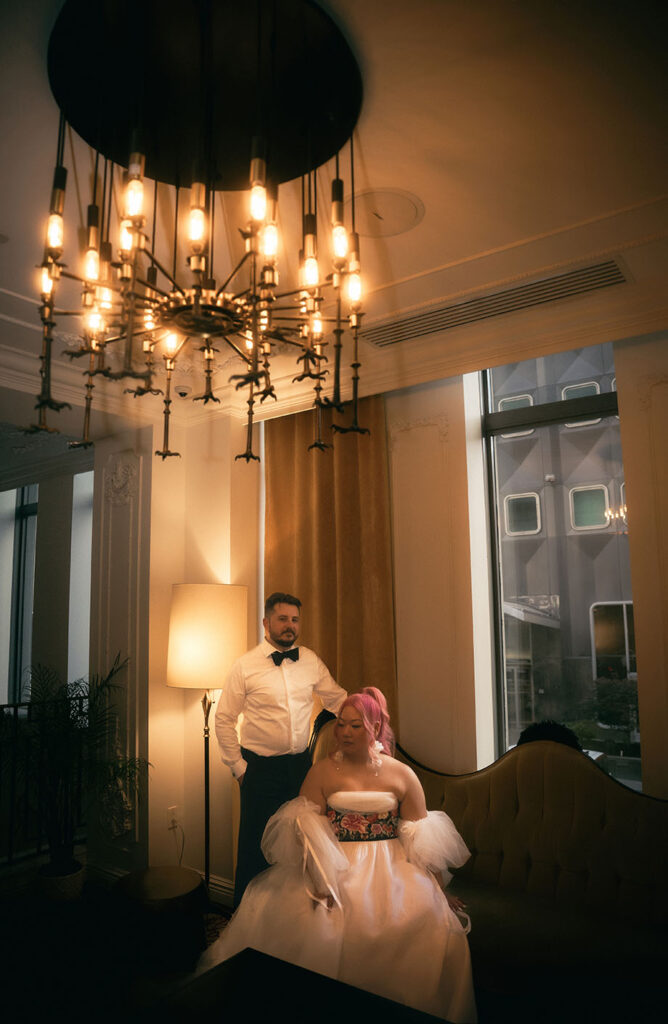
80	769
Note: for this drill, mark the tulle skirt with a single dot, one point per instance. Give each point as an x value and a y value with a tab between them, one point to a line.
393	933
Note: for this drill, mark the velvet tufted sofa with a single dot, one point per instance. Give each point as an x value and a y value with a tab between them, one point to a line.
567	884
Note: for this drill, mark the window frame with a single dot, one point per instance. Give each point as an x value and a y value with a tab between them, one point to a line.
493	424
571	509
512	398
573	387
609	604
539	520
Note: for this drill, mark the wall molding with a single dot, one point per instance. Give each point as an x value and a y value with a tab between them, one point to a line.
399	427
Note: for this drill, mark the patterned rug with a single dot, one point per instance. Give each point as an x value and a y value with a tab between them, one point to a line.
214	924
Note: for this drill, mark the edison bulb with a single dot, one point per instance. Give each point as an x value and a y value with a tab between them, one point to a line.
92	265
354	287
171	343
94	321
126	236
340	241
270	241
311	272
55	232
46	282
196	225
134	198
258	202
316	325
105	298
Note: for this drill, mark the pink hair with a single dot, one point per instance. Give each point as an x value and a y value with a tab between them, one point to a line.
372	706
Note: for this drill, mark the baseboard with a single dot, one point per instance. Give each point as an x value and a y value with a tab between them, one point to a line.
221	891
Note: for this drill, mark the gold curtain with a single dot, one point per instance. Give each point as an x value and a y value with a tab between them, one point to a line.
328	541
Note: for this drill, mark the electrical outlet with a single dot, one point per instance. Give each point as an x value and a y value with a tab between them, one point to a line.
172	817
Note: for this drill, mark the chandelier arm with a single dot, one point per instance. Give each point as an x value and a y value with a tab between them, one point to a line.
45	399
85	441
165	272
318	441
154	288
88	283
129	308
233	274
281	337
248	454
165	453
235	348
354	427
338	346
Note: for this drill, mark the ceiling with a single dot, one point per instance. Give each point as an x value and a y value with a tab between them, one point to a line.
500	142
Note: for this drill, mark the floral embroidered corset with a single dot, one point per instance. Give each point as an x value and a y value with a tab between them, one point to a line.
363	826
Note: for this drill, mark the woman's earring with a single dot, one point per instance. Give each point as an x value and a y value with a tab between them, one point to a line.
375	751
338	756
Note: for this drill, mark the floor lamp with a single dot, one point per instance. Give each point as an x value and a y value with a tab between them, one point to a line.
208	631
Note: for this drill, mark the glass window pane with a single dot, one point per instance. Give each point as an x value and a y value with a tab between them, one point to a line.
522	514
516	402
588	508
584	390
580	390
559	561
631	638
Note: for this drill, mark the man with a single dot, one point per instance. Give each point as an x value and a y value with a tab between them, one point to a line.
272	686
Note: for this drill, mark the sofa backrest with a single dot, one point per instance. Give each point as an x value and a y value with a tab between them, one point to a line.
545	819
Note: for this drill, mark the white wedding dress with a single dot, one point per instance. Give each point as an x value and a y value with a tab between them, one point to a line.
390	929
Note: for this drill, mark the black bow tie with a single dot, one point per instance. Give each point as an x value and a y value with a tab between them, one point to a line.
279	656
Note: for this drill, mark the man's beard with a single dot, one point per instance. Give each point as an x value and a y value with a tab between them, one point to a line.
282	640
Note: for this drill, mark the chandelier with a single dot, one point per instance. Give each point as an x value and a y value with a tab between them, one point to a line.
186	99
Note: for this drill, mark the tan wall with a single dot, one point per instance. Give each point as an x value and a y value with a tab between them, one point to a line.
204	529
641	365
426	430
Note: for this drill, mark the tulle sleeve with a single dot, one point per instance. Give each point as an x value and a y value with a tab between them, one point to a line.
299	834
433	843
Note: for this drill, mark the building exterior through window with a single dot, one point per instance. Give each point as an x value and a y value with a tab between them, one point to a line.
565	612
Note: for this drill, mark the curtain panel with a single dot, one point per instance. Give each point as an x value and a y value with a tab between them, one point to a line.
328	541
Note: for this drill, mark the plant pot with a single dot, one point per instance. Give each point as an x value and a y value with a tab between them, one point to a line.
61	888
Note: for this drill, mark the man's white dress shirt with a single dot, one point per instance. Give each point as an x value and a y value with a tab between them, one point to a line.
276	703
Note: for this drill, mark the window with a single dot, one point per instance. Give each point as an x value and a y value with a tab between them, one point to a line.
23	573
522	514
585	390
588	507
516	402
564	615
23	582
613	640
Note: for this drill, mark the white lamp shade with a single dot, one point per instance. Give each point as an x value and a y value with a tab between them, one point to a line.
207	633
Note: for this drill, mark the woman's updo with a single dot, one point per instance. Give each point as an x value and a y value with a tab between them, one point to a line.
372	706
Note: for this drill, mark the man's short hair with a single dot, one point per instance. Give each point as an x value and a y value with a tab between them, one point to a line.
279	598
549	730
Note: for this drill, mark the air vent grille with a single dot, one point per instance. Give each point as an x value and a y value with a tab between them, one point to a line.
442	318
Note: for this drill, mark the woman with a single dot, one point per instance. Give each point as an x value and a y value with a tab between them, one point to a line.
356	888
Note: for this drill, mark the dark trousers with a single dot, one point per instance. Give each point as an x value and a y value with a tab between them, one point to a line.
268	783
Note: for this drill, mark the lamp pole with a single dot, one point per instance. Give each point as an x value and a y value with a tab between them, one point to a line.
206	708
